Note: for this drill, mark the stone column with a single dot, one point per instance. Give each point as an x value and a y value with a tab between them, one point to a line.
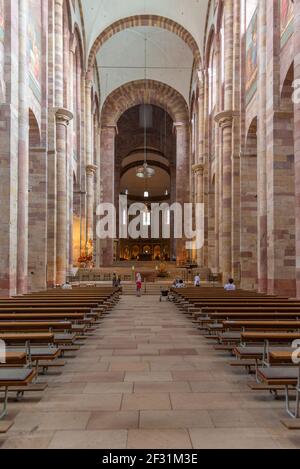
90	178
70	157
23	158
90	170
199	167
297	140
182	175
198	171
108	134
225	120
206	163
88	119
98	194
51	153
236	143
262	263
59	53
9	155
218	162
63	117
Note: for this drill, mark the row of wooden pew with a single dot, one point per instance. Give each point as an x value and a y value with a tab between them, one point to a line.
38	329
262	333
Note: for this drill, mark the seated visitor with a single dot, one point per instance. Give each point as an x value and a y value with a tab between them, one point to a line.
175	283
230	286
181	284
66	286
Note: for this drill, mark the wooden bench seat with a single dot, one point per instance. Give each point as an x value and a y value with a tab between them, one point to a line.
45	309
13	377
38	353
259	325
289	377
65	338
251	352
32	337
279	337
214	317
15	358
41	326
42	318
228	337
280	356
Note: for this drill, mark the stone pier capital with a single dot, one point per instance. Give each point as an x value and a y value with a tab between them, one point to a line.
198	168
91	169
110	128
177	126
225	118
201	76
63	116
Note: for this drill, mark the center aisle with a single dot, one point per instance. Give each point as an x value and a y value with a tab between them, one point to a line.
148	379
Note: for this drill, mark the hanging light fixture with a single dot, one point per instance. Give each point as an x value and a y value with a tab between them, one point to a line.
145	171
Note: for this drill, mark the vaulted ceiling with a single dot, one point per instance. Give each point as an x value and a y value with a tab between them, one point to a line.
123	56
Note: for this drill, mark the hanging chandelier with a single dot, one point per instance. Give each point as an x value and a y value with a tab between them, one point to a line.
145	171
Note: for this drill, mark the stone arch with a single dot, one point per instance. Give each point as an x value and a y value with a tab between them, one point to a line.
144	92
209	45
34	130
78	43
125	97
144	20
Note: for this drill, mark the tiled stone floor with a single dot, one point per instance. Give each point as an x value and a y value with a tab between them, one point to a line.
148	379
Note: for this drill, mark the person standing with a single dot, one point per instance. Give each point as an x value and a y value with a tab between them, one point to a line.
197	280
115	281
138	283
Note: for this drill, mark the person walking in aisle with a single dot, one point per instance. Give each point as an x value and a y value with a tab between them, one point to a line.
138	283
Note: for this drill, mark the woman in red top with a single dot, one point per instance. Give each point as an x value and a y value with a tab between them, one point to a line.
138	283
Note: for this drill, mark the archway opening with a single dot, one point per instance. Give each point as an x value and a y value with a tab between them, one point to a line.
152	94
249	210
154	140
37	209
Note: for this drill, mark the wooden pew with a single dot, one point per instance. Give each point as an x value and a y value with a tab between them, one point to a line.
40	326
261	324
23	321
289	377
15	358
13	377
